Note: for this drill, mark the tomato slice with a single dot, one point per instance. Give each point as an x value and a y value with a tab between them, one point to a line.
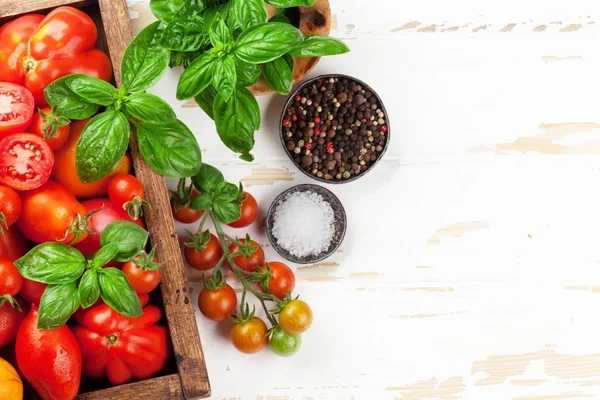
26	161
16	108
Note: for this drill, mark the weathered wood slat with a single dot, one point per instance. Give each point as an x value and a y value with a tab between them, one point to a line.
165	387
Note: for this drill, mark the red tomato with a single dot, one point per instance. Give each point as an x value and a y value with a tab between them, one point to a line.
13	244
32	291
123	188
10	206
185	214
206	259
36	50
108	213
282	279
60	133
50	360
144	298
25	161
249	337
48	214
249	264
10	320
120	348
249	212
141	281
16	108
64	170
218	304
10	278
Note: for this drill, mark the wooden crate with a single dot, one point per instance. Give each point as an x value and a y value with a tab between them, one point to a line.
191	380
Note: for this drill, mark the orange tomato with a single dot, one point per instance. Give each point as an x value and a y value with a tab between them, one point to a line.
64	170
11	387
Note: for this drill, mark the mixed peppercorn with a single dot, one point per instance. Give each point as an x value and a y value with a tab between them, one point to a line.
335	129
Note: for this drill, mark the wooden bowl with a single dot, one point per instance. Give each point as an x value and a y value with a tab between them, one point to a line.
313	20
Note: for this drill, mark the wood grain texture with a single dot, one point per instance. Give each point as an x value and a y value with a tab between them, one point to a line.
9	8
165	387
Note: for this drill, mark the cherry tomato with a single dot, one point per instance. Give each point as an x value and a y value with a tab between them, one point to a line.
218	304
249	264
32	291
13	244
282	279
10	206
65	172
49	360
25	161
60	133
11	386
109	212
121	348
283	343
141	281
123	188
249	212
205	259
16	108
249	337
35	50
184	214
11	319
49	212
296	317
10	278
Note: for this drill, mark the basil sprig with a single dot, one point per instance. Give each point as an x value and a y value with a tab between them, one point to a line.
74	281
105	138
290	3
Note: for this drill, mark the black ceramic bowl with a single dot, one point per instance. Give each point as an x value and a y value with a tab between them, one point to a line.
339	223
290	102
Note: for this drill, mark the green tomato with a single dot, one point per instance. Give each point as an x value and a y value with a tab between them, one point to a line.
284	344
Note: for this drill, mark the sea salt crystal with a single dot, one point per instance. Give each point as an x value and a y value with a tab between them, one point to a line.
303	224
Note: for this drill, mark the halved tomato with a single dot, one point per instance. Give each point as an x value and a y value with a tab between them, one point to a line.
16	108
26	161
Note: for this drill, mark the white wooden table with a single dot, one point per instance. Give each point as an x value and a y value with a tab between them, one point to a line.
471	267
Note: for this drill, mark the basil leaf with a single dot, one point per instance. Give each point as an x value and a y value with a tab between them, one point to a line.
67	103
249	12
227	212
150	108
102	144
105	254
89	289
92	89
224	11
144	61
186	31
247	74
207	179
129	238
165	10
196	77
170	149
206	99
319	45
236	121
52	263
278	75
290	3
280	18
118	294
224	76
220	35
265	42
201	202
226	192
57	305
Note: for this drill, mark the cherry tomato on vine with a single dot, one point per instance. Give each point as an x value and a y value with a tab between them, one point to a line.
283	343
127	192
25	161
10	207
12	314
249	337
249	212
52	127
282	281
32	291
10	278
296	317
16	109
204	259
217	304
142	278
185	214
249	263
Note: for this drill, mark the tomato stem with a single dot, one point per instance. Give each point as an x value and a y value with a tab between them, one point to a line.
203	220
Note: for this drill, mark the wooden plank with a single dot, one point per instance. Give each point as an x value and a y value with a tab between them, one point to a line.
11	8
165	387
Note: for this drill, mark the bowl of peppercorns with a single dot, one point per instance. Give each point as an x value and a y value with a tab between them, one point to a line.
335	128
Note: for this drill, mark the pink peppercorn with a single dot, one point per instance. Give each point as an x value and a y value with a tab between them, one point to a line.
308	146
317	131
294	118
384	129
317	120
287	122
330	144
330	150
297	98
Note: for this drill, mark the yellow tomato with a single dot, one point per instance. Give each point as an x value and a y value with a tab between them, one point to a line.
11	387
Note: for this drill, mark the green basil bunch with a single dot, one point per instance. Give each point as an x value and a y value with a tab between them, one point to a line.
165	142
225	46
75	282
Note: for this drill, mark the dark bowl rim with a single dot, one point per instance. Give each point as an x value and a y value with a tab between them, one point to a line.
272	239
287	105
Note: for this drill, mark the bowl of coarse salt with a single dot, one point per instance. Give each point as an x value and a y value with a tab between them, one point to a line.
306	224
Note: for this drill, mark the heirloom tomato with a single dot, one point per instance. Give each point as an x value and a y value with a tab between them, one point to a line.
11	386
